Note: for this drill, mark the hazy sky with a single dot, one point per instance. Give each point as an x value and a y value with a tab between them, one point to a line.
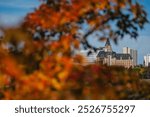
13	11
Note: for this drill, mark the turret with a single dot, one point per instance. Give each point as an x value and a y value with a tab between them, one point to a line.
108	46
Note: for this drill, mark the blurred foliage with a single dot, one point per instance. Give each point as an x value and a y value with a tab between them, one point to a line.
38	60
145	72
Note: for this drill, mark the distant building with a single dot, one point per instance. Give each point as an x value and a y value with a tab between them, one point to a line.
107	56
147	60
88	59
133	54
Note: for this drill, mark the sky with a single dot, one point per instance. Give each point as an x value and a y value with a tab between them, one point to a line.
13	11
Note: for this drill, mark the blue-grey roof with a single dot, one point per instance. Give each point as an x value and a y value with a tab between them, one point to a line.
103	54
123	56
118	56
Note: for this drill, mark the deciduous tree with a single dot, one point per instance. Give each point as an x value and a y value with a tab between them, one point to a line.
38	60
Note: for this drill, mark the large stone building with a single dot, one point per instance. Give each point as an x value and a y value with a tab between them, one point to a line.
107	56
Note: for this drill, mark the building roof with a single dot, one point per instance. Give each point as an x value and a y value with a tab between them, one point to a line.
103	54
118	56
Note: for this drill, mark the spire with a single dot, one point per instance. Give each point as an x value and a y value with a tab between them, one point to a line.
107	42
108	46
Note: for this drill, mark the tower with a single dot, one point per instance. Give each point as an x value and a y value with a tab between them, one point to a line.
108	49
108	46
